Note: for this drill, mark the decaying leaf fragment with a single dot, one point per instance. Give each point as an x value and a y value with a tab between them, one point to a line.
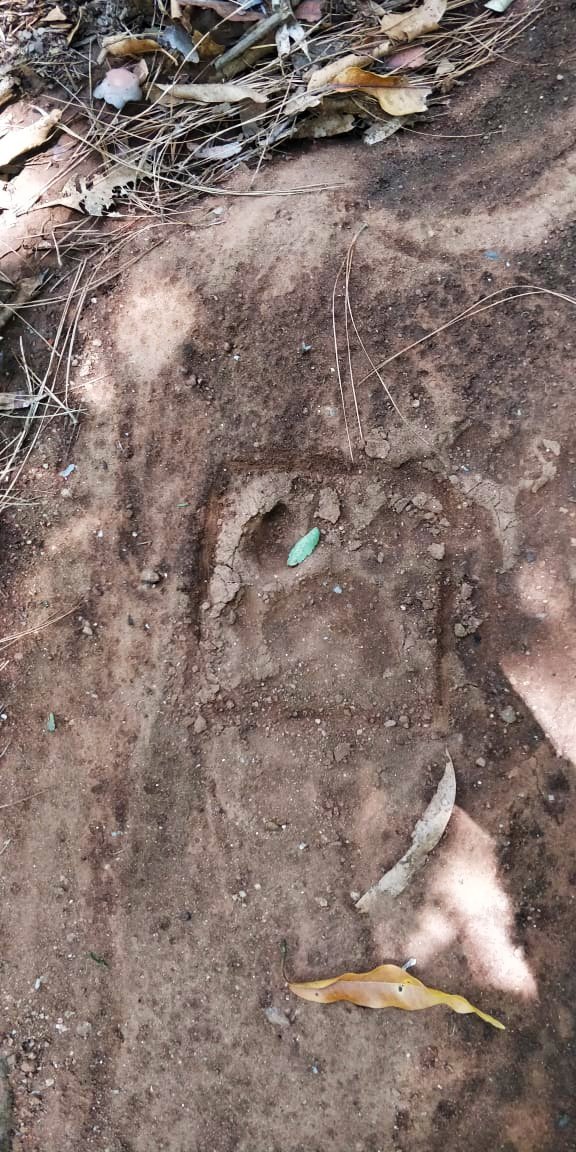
207	93
395	94
416	22
327	124
385	987
96	197
428	831
381	130
19	141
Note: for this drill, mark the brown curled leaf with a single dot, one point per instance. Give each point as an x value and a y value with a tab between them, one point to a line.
395	94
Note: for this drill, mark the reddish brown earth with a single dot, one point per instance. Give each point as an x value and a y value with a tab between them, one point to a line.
222	776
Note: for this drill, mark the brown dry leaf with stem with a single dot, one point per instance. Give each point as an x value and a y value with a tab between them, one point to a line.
416	22
385	987
19	141
395	95
427	834
206	94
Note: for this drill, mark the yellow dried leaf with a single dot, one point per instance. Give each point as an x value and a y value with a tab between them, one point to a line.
416	22
395	94
385	987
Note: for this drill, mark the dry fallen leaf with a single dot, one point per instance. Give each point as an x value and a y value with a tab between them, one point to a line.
96	197
208	93
385	987
322	77
428	831
416	22
125	45
407	58
21	140
55	16
395	94
381	130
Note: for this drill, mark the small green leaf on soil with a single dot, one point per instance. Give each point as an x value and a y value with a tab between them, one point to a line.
304	547
99	959
51	723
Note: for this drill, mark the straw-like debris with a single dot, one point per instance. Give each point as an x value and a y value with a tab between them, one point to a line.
227	83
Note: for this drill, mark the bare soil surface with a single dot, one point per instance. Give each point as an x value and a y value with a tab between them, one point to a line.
241	747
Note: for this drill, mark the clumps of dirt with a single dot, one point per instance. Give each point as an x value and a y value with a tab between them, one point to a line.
245	509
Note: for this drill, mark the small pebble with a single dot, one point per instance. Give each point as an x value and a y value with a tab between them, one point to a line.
480	763
459	631
276	1017
200	725
341	752
404	721
508	714
437	551
149	576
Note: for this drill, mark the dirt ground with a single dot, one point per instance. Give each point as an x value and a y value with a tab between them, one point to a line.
240	748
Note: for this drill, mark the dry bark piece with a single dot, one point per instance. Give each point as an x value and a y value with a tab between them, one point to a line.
416	22
387	986
19	141
428	831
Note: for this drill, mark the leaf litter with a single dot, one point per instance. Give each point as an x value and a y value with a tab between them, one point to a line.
229	85
426	835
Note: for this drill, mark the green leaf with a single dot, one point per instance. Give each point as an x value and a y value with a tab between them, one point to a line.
99	959
51	725
304	547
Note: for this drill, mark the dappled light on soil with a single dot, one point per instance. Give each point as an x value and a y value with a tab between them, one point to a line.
546	685
466	901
